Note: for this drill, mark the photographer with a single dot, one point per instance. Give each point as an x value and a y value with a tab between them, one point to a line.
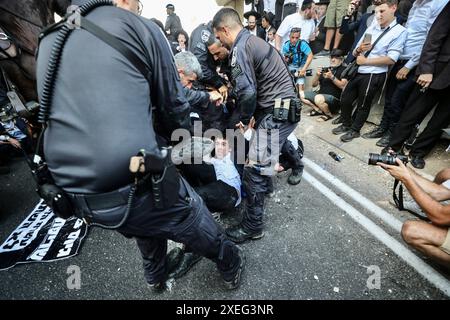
432	239
326	101
298	56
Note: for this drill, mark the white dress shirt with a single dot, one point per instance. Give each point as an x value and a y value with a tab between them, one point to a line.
391	45
420	18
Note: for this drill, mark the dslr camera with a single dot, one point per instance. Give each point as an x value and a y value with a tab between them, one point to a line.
389	159
289	57
326	69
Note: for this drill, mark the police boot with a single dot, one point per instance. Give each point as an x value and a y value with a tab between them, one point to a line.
295	177
253	211
235	280
188	260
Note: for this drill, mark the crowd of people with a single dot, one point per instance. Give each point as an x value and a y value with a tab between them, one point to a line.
250	80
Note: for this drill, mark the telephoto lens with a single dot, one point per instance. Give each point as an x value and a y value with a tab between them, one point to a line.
374	158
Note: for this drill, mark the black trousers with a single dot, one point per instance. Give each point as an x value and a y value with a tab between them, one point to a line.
397	94
417	108
217	195
288	9
188	221
278	13
363	88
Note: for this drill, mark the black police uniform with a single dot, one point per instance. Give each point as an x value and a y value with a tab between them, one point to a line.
198	46
259	76
101	115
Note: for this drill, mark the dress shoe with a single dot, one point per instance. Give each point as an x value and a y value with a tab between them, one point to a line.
341	129
417	162
240	234
349	136
235	280
295	177
188	260
376	133
384	141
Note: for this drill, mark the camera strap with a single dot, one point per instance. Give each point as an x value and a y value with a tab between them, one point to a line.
398	200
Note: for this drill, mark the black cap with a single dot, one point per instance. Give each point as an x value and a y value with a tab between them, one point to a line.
337	53
170	6
252	13
306	2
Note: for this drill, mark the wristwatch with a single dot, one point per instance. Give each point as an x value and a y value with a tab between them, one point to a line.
334	78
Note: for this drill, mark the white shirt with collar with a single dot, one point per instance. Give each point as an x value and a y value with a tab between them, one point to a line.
391	45
420	18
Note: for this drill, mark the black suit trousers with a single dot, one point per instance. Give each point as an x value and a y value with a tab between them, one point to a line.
417	108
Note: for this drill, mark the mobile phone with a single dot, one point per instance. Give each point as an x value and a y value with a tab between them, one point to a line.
308	73
367	38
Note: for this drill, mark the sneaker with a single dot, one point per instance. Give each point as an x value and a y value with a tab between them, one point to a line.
376	133
239	234
349	136
323	53
341	129
236	279
188	260
295	177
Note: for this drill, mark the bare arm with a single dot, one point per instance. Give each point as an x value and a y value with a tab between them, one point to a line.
436	212
278	42
436	191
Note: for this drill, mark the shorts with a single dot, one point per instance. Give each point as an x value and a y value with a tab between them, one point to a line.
332	102
299	80
335	12
446	245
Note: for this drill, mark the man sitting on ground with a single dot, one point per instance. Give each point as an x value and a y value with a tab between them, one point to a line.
432	239
327	100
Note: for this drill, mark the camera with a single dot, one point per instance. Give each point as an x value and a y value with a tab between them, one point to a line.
325	69
389	159
289	57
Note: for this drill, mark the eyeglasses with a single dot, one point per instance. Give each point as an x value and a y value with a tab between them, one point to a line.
140	7
296	30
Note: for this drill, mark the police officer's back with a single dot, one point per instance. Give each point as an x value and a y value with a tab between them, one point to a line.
103	111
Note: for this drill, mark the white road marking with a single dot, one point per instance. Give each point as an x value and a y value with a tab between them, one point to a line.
387	218
399	249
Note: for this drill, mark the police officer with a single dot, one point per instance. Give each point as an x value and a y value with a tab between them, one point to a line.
198	45
101	114
259	77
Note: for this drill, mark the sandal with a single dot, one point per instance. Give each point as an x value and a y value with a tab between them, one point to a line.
324	118
314	113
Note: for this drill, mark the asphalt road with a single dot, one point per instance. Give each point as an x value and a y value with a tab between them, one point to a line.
312	248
